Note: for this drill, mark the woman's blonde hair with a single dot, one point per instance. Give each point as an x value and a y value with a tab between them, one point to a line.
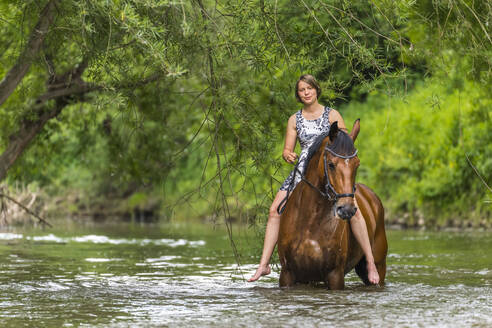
311	80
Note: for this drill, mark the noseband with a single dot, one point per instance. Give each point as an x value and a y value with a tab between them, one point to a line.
328	186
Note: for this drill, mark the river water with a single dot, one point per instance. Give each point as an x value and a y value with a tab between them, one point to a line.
186	275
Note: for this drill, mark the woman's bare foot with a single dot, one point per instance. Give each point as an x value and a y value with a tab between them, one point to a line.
261	271
372	273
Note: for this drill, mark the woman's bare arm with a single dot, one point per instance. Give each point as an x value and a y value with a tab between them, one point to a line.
336	117
290	141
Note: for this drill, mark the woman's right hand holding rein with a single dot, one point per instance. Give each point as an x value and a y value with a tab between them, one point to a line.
289	156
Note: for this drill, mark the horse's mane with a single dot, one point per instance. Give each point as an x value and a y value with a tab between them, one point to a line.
315	146
342	145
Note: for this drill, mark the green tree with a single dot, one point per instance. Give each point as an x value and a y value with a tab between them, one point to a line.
200	91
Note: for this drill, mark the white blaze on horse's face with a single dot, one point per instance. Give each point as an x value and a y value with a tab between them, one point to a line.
343	183
345	178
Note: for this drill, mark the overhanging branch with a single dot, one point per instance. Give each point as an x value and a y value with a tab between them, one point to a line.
33	46
64	89
26	209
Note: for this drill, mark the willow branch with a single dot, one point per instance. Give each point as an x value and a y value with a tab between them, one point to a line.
65	89
478	20
278	34
26	209
477	173
30	52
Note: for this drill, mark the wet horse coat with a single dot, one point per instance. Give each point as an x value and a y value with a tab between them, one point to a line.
315	243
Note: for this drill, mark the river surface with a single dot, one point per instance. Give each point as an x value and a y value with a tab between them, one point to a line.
186	275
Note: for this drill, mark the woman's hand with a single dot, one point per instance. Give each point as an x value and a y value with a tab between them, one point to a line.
289	156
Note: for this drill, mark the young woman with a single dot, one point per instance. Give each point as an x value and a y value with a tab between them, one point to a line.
312	120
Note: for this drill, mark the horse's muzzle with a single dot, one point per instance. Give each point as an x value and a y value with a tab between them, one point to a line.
346	212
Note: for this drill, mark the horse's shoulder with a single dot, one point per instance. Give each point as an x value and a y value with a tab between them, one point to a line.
365	190
366	193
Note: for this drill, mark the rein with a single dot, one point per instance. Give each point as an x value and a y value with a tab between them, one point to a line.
328	186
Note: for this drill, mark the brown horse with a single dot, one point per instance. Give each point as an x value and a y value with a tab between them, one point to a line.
315	240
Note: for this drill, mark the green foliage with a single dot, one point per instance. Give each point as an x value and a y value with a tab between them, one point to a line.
208	132
453	35
414	151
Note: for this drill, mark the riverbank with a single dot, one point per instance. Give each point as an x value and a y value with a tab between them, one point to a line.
139	207
21	218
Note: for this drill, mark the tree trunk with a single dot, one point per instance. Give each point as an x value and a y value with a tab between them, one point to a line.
38	34
28	130
64	89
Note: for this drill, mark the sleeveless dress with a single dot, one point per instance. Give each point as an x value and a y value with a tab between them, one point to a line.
307	132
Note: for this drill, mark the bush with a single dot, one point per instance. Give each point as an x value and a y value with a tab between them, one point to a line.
414	150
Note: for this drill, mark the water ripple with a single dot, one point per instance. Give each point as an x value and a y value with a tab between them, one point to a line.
98	239
98	281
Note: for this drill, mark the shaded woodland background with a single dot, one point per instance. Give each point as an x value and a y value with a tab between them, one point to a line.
148	109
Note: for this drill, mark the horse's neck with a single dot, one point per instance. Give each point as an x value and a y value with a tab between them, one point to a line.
312	198
314	172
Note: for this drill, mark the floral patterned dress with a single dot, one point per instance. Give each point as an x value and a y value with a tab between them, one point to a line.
307	131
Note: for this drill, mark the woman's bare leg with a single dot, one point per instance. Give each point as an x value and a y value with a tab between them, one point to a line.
359	228
271	236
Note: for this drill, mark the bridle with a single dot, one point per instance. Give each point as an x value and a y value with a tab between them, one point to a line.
329	190
328	185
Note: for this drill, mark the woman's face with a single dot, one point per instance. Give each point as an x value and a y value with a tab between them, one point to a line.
306	93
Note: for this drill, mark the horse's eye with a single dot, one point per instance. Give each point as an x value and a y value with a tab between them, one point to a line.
331	166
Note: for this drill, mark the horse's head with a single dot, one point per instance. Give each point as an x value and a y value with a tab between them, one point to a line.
340	164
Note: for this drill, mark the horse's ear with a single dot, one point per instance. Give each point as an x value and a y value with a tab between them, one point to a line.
355	130
333	131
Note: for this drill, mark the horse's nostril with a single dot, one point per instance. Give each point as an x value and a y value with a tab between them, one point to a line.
346	212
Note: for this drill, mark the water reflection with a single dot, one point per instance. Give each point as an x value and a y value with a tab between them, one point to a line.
150	278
